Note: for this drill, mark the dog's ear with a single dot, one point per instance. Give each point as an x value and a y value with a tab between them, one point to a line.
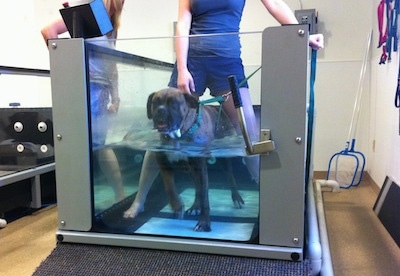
191	101
149	101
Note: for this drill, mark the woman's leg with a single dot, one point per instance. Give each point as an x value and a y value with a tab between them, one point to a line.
148	174
109	165
252	162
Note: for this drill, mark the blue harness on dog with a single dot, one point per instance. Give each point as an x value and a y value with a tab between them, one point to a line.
220	99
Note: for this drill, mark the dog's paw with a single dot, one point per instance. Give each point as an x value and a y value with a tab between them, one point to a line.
194	210
179	214
133	211
202	226
237	200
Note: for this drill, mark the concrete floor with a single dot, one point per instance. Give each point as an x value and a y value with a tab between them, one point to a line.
359	243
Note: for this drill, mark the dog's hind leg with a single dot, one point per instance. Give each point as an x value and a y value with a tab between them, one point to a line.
237	199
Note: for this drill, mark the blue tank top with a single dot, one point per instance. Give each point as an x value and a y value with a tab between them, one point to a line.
100	68
216	17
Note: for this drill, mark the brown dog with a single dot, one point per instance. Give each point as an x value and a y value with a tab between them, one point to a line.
179	117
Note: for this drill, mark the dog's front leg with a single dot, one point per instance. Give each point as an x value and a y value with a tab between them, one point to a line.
237	199
199	172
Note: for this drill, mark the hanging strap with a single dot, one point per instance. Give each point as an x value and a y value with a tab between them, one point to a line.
383	56
392	11
382	35
397	94
388	39
389	17
310	123
395	25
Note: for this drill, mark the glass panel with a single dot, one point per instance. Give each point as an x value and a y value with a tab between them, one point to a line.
120	141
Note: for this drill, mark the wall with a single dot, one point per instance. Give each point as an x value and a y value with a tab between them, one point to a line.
384	150
20	47
345	25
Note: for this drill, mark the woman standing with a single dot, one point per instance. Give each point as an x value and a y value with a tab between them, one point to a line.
103	89
202	62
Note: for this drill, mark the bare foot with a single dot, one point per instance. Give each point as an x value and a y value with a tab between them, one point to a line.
134	210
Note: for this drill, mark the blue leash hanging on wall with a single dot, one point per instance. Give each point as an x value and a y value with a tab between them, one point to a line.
310	123
397	96
389	40
394	19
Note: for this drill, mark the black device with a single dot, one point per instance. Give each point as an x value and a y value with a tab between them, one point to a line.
87	20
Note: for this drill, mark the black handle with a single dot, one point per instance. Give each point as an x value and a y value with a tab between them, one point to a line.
237	100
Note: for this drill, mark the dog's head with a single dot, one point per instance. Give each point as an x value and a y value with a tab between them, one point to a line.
169	109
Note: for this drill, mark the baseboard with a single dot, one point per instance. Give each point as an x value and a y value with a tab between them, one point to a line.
375	187
320	174
366	180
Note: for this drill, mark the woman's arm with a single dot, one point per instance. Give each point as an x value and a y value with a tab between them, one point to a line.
53	30
284	15
185	80
280	11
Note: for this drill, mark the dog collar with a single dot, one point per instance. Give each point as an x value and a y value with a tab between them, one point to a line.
196	125
219	99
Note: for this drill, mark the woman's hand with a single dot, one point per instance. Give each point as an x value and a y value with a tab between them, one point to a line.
114	106
185	81
316	41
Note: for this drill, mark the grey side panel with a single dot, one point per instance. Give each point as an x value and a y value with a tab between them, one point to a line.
284	104
68	81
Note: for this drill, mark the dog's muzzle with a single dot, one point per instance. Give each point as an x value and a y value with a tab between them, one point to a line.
165	124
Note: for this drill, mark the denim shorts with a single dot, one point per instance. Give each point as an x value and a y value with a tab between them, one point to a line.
212	72
99	98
